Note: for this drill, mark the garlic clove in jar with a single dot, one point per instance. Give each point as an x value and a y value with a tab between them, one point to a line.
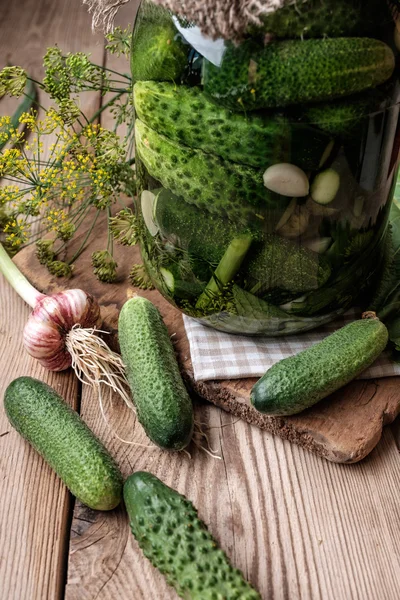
286	179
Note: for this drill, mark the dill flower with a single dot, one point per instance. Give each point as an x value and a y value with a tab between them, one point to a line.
82	172
12	81
45	252
124	227
60	268
139	277
105	267
16	233
119	41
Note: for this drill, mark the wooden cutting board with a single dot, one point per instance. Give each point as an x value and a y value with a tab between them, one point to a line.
343	428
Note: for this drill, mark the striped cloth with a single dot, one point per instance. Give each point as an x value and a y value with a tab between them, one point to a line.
217	355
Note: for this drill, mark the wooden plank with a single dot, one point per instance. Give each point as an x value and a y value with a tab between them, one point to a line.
35	508
34	504
298	526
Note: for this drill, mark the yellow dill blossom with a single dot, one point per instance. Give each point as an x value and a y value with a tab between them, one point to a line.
10	162
8	131
16	232
9	194
82	170
29	119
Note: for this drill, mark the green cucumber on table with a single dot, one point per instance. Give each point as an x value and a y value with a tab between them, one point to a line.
163	405
294	71
298	382
174	539
227	189
57	432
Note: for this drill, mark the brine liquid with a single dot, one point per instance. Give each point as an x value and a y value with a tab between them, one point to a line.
213	245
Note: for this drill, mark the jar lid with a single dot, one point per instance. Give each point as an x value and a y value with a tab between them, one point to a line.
227	19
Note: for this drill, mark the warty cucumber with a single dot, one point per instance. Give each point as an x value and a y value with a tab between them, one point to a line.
185	115
161	399
279	264
57	432
295	71
276	263
179	222
219	186
326	18
157	50
296	383
174	539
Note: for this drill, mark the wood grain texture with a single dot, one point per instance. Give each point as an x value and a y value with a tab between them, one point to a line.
34	504
35	507
298	526
343	428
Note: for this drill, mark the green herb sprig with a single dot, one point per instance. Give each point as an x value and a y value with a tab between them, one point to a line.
57	190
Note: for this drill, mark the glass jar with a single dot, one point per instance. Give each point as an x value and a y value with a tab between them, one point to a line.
266	168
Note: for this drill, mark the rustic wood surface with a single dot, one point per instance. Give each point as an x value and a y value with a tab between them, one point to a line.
297	525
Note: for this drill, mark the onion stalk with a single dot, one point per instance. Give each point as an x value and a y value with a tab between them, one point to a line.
62	332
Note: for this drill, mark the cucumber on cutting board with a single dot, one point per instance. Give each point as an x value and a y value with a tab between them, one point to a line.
178	544
300	381
161	399
57	432
294	71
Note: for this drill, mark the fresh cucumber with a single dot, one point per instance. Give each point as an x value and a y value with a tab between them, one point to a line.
185	115
299	382
161	399
219	186
294	71
57	432
174	539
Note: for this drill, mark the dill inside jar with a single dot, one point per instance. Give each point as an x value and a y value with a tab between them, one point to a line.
266	160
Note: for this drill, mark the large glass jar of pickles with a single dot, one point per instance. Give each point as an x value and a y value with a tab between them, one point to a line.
266	167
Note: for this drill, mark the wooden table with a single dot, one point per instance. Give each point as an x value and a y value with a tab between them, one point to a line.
297	525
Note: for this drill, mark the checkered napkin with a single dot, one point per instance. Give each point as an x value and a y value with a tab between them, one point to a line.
217	355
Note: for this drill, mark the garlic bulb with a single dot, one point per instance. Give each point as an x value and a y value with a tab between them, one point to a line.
50	322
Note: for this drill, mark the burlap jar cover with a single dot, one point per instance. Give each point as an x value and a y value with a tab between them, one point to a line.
227	19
